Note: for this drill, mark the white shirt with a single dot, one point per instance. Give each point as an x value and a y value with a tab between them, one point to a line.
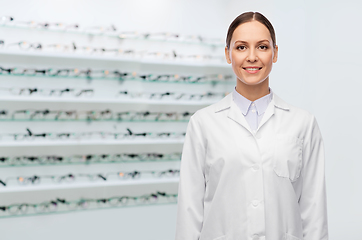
252	110
239	185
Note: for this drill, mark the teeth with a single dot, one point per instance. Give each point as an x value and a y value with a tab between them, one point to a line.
252	69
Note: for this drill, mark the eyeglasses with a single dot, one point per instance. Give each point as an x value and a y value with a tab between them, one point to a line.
116	51
71	72
93	115
116	74
89	158
61	47
26	45
36	179
153	116
50	92
48	25
163	35
42	72
28	114
63	205
199	57
88	135
171	95
42	25
23	45
212	78
111	31
29	160
90	92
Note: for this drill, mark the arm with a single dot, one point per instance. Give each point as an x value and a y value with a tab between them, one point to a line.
190	209
313	200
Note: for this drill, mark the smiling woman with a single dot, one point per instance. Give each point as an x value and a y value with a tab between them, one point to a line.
252	165
251	49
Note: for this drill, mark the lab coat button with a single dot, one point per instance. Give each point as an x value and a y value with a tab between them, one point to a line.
255	203
256	167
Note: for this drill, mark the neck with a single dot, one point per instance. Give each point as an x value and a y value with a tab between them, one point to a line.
253	92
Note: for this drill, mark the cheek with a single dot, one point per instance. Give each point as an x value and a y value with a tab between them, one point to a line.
267	59
237	59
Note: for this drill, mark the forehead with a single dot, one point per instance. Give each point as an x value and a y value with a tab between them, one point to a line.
250	32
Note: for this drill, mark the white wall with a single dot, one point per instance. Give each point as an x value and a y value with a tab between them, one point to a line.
318	69
321	73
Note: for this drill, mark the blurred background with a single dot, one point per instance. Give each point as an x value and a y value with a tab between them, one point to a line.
95	97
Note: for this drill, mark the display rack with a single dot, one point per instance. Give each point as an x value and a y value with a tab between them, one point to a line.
105	96
108	31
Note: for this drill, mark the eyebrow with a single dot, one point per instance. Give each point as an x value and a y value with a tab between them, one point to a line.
257	42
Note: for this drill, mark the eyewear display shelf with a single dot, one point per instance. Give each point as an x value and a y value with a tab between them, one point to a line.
109	32
113	117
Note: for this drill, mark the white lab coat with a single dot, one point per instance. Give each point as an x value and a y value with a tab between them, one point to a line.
237	185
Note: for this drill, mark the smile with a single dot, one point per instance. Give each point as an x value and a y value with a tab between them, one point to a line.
252	70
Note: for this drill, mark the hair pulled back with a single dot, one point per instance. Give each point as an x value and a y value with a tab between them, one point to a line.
248	17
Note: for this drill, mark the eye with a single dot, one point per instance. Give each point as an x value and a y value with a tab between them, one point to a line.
265	47
241	47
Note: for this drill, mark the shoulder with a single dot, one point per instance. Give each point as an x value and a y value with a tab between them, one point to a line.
296	115
209	111
292	110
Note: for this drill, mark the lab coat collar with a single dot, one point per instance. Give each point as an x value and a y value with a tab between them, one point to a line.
227	101
236	115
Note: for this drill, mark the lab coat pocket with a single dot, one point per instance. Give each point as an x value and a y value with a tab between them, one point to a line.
290	237
288	156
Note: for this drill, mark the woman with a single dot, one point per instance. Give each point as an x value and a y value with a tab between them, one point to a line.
252	165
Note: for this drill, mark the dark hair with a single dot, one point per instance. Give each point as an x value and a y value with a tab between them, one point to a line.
248	17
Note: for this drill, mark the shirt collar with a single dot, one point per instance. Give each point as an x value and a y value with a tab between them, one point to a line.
244	104
227	101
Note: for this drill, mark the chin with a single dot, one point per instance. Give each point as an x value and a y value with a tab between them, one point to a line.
251	82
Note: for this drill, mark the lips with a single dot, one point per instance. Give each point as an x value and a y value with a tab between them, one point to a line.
252	68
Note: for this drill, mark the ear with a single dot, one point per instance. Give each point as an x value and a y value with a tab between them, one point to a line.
227	56
275	58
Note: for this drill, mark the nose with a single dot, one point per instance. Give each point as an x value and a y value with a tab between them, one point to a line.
252	56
